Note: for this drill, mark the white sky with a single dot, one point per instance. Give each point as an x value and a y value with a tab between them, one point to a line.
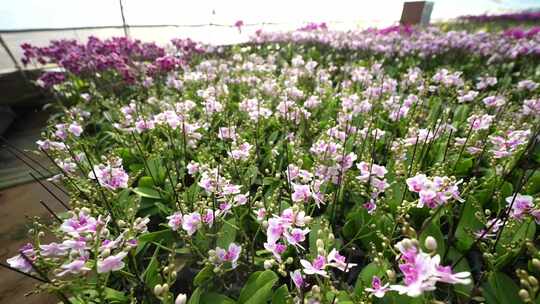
18	14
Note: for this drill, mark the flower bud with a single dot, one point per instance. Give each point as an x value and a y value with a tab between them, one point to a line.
106	253
268	264
164	288
319	243
181	299
158	290
524	295
430	243
391	275
533	281
536	263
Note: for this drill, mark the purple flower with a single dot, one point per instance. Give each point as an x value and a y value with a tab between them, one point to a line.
21	263
275	230
75	129
276	249
422	271
111	263
79	224
493	224
191	222
230	255
110	176
480	122
446	275
175	221
208	217
377	288
239	24
52	249
143	125
433	191
297	279
338	261
302	193
296	236
77	266
316	267
521	205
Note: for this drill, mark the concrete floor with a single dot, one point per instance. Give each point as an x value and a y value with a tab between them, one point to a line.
16	205
23	133
19	202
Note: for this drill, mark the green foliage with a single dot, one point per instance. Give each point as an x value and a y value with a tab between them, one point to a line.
258	288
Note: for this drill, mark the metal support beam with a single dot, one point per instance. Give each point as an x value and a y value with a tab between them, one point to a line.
123	19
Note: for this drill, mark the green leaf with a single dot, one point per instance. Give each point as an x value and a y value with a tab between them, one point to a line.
204	275
517	235
461	113
462	290
395	298
281	295
464	166
534	183
156	170
489	294
196	296
313	235
227	234
258	288
504	289
467	224
115	296
150	274
215	298
147	192
355	225
164	236
146	182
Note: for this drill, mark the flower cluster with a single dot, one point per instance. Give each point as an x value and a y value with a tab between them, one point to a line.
85	244
434	191
213	173
421	272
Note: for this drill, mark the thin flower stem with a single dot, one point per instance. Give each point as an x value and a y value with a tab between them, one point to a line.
50	211
100	189
5	141
23	273
522	181
49	191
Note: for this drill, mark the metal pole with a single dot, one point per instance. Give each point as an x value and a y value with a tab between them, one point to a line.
123	19
15	62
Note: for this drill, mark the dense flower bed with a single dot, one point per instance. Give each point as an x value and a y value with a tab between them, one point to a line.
426	43
521	17
295	172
